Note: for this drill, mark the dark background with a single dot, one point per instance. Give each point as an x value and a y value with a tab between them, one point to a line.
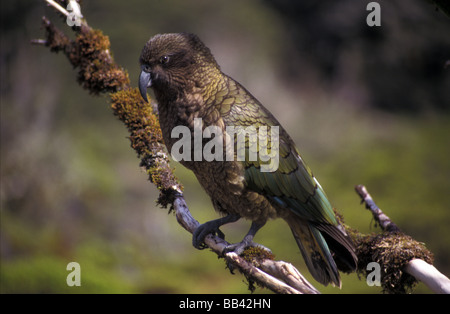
365	105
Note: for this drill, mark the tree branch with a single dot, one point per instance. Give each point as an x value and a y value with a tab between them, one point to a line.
58	7
429	275
405	254
384	221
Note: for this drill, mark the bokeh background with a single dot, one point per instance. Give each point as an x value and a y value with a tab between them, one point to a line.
366	105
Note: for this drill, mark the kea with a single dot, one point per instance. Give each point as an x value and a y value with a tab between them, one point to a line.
192	92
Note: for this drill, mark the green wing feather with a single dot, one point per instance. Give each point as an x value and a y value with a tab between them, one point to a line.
292	185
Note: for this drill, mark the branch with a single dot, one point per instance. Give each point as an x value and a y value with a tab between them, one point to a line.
429	275
58	7
398	253
278	276
384	221
98	73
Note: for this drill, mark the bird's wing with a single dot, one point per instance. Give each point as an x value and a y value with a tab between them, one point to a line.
292	184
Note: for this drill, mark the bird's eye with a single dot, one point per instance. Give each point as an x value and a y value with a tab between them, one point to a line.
164	59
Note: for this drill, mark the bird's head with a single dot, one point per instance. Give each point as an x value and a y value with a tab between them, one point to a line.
171	63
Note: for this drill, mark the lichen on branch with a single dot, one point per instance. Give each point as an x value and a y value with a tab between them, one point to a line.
146	140
90	54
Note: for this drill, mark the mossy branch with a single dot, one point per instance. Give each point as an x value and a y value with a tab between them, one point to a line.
403	259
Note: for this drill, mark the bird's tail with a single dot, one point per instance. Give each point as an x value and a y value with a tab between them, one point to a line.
325	249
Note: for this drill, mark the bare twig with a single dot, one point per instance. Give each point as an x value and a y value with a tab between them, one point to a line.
288	274
42	42
72	14
384	221
58	7
265	279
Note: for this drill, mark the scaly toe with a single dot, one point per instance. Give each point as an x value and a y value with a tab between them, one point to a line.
240	247
201	232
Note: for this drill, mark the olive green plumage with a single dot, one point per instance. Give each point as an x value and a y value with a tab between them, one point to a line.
188	84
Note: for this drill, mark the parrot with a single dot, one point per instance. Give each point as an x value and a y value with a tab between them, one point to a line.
193	93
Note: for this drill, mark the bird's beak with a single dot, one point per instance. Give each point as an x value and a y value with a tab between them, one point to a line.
145	81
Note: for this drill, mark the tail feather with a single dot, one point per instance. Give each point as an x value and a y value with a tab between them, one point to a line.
341	246
324	247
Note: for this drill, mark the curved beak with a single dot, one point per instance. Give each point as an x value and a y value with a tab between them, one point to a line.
145	81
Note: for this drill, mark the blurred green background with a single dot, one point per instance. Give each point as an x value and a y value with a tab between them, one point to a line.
364	105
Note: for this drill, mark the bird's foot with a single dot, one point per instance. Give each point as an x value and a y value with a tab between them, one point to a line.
240	247
210	227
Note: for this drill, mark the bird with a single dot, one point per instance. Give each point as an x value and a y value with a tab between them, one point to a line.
192	92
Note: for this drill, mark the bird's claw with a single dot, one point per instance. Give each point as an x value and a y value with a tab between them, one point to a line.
240	247
202	231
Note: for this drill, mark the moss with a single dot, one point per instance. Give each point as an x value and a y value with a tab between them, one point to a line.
56	40
90	53
256	255
392	251
146	139
97	70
